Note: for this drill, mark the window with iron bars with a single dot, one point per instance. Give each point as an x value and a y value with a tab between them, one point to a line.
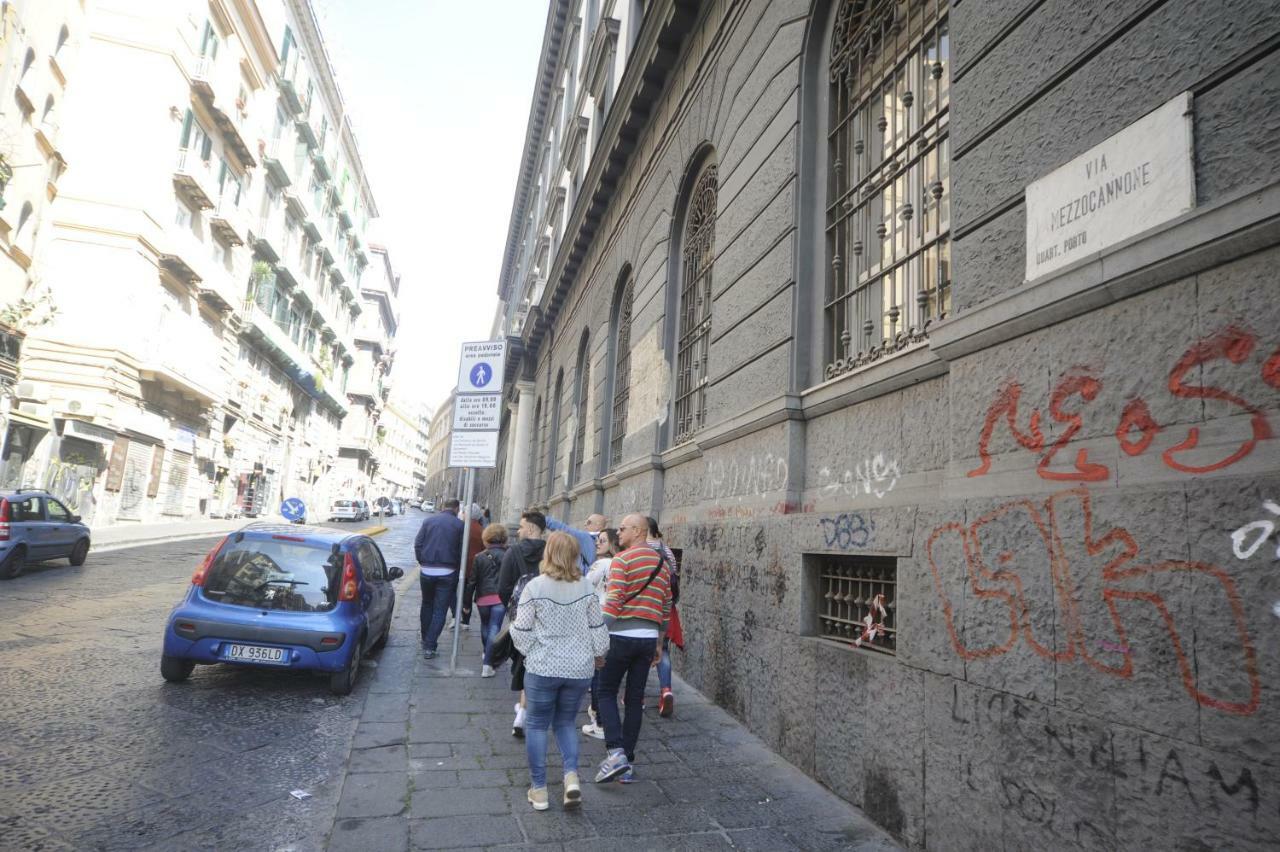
693	346
857	601
888	192
622	374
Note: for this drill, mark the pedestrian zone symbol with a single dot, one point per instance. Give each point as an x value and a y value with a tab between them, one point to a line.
480	375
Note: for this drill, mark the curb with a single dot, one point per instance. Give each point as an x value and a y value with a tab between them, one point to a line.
145	542
372	531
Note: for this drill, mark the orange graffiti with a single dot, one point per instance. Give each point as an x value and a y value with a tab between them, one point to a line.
1233	344
1119	576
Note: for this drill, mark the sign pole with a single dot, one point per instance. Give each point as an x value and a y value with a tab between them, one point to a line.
462	568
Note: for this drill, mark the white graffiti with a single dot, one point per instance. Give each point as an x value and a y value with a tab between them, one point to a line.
1263	530
870	476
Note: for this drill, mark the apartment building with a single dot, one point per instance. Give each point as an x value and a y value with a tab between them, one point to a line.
204	253
39	42
442	481
942	339
403	446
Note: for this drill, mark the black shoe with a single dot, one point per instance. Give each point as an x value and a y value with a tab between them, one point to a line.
428	655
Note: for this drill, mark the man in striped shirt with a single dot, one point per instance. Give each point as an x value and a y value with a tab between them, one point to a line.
637	608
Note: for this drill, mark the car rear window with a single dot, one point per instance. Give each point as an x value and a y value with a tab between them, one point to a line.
275	574
342	504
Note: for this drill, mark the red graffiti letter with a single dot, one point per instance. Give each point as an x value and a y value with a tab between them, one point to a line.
1271	370
1235	345
1006	405
1087	387
1136	415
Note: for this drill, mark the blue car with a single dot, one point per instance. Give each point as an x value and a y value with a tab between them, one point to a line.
282	596
34	527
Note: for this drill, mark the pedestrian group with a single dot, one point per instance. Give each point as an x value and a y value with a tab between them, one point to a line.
576	611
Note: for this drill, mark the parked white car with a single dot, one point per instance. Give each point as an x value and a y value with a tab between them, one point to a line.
346	510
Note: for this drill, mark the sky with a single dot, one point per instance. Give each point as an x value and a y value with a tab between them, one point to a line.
438	92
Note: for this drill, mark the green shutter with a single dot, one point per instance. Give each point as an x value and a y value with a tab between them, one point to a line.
186	128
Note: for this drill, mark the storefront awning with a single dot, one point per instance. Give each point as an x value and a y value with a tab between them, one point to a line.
20	418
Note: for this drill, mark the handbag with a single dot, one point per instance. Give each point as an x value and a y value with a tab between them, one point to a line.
502	647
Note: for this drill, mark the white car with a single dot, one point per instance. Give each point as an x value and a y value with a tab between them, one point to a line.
346	510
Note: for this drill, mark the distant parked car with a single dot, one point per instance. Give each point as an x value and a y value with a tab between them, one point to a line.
429	506
345	510
281	596
365	513
415	503
35	527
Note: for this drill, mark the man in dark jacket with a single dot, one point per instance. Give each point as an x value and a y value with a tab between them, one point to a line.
438	548
520	561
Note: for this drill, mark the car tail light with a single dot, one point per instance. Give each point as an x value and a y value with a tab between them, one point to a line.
4	519
331	641
197	579
349	591
288	538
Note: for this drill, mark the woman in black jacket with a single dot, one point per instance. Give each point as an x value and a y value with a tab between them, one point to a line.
487	577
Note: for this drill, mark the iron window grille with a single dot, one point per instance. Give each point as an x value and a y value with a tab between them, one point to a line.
622	374
888	193
857	601
693	347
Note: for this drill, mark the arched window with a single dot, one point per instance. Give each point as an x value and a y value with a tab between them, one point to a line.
888	217
553	445
621	367
582	392
697	253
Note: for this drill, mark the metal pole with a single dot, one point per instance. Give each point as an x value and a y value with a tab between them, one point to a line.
462	569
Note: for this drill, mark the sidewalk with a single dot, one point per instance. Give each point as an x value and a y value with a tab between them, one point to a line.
134	535
434	766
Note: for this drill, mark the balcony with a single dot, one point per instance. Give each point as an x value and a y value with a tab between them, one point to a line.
184	257
287	271
276	156
193	177
306	124
288	83
299	366
321	163
268	239
227	222
182	355
216	84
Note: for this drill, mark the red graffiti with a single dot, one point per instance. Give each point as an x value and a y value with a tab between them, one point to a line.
1006	405
1069	617
1086	387
1235	345
1137	428
1136	415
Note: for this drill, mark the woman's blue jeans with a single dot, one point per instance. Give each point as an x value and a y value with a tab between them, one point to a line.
490	626
664	666
551	703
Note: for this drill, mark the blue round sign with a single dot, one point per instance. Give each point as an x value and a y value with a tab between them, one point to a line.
481	375
293	509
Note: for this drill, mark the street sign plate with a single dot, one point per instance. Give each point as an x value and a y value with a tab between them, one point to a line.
293	509
477	412
481	367
473	449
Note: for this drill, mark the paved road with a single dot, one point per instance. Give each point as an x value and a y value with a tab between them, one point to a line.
99	753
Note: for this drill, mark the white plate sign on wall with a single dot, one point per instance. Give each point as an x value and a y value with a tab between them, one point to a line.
481	367
477	412
473	449
1137	179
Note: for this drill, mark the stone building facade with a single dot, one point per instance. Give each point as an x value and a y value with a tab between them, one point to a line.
988	552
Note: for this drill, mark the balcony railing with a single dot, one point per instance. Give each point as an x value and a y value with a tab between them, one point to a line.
227	221
194	178
268	238
297	364
288	83
277	156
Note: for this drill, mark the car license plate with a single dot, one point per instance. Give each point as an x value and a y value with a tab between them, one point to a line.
256	654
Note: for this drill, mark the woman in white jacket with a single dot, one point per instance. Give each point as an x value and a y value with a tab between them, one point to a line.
559	628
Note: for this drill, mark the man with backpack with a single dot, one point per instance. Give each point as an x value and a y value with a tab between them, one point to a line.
637	609
520	564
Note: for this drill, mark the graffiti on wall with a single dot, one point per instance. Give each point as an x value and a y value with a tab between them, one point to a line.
1260	531
875	475
753	476
1136	428
1032	551
72	484
848	531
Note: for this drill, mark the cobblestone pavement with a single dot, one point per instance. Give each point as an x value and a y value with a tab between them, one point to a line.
99	753
434	766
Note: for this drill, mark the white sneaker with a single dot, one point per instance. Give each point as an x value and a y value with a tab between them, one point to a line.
593	731
517	727
487	671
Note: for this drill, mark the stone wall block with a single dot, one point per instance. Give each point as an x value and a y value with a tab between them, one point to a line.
1236	143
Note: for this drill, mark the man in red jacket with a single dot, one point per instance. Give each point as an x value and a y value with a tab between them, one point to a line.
637	609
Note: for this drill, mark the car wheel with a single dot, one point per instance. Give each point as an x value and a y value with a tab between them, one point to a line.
13	564
175	669
341	683
80	552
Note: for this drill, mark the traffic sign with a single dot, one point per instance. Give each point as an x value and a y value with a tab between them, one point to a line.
477	412
293	509
482	366
473	449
